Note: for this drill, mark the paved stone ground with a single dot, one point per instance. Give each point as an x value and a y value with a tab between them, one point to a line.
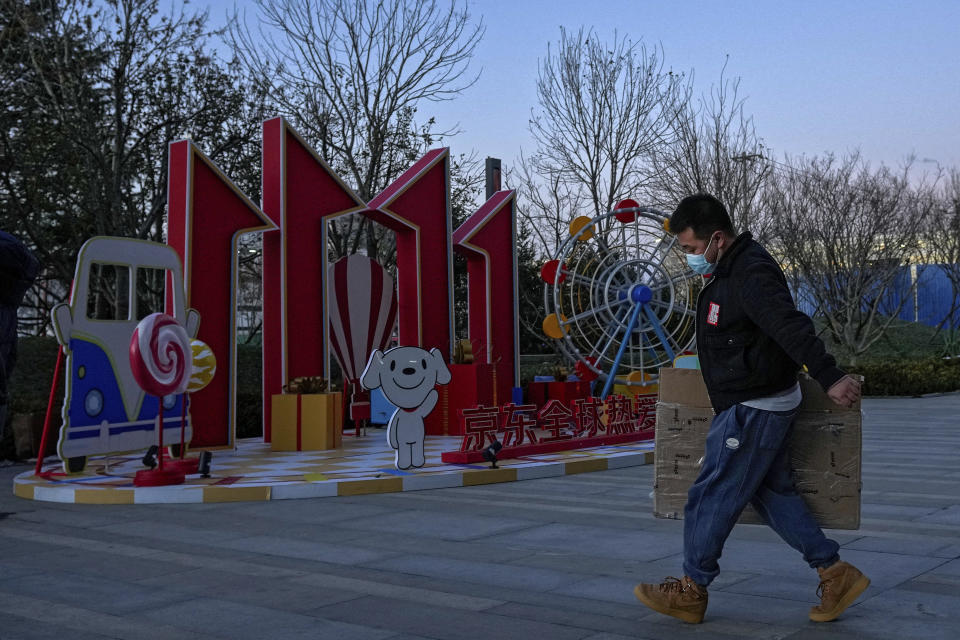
550	558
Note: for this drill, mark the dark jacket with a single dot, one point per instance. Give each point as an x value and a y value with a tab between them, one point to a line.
751	338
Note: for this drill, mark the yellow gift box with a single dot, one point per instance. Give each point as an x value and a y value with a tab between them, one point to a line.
306	422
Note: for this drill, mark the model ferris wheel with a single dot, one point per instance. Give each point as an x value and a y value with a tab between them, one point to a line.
620	297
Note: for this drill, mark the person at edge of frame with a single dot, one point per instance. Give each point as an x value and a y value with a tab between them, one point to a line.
18	270
751	341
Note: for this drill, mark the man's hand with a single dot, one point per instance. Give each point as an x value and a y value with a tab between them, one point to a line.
845	391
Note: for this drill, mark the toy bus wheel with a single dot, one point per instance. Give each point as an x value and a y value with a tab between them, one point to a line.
174	450
76	465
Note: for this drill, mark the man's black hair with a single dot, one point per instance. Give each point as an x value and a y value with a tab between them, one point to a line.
703	213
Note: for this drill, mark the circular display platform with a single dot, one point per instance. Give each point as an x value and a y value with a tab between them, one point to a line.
362	466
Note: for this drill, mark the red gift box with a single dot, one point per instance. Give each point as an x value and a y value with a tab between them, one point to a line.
537	393
567	392
470	385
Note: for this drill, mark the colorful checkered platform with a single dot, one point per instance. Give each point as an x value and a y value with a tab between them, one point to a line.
363	465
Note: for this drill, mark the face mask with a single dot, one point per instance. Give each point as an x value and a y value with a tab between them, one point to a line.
698	261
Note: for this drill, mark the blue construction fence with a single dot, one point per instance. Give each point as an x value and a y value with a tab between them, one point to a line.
928	303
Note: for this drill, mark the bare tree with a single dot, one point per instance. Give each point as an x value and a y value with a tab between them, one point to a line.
943	251
714	149
466	192
351	76
546	204
93	93
846	235
603	108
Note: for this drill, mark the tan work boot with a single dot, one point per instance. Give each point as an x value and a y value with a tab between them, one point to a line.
840	584
683	599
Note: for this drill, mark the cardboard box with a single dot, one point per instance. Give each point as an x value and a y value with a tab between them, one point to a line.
306	422
825	450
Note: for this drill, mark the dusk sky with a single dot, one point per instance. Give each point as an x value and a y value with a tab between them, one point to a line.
818	76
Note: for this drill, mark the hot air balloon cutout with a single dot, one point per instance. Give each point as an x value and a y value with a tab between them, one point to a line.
162	362
407	376
620	296
363	310
204	367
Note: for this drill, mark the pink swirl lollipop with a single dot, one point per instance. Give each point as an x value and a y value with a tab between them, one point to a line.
160	355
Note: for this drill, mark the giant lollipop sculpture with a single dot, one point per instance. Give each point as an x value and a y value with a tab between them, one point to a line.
162	361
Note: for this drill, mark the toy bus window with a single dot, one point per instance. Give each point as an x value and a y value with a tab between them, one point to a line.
151	290
108	292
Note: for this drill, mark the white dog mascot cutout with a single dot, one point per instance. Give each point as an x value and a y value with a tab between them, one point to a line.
407	375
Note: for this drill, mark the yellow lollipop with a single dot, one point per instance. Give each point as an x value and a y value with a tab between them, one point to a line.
204	365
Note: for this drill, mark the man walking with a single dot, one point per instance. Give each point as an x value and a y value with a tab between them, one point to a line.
751	341
18	269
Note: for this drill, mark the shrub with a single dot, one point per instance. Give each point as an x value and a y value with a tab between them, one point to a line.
909	377
249	382
29	388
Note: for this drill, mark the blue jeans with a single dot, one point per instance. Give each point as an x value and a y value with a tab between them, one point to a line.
747	460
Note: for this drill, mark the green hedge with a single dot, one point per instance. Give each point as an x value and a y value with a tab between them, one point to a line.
909	377
249	383
37	357
30	385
